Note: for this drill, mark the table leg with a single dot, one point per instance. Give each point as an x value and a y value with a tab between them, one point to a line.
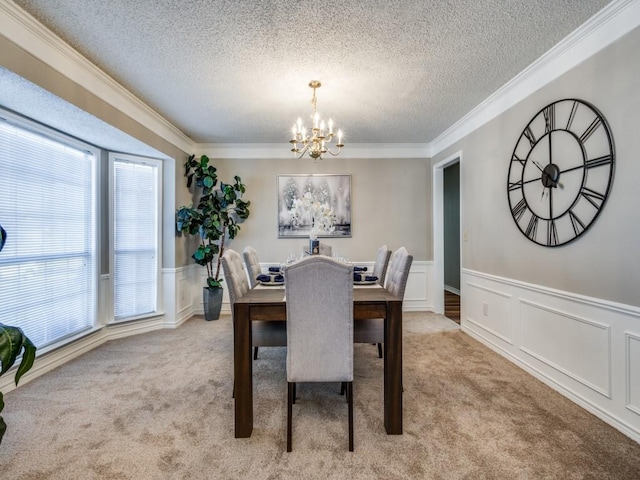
243	370
393	368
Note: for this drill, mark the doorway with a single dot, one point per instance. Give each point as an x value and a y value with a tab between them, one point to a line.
446	236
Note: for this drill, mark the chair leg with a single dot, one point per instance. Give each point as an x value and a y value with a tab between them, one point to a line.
343	386
350	400
255	353
380	350
291	388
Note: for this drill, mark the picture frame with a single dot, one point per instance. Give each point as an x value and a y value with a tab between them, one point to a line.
332	190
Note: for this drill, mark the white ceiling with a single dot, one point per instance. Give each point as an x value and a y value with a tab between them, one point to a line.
236	71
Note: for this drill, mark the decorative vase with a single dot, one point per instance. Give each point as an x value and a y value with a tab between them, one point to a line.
314	247
212	303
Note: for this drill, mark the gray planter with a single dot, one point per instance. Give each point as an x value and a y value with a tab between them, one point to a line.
212	303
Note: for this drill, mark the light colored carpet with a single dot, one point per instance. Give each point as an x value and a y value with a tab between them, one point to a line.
159	406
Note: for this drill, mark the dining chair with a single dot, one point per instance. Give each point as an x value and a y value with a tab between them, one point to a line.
380	270
381	263
264	334
251	261
319	328
372	330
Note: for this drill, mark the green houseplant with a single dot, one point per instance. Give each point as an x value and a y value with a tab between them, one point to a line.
215	217
12	342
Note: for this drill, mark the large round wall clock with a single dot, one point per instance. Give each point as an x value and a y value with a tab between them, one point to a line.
560	173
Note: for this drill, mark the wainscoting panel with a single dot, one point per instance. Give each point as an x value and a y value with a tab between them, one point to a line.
633	372
490	311
579	348
588	349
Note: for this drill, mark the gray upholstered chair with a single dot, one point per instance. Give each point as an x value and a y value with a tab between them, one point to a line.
372	330
252	262
398	272
319	328
264	334
381	263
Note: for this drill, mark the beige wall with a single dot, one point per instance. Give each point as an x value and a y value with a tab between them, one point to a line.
391	205
603	262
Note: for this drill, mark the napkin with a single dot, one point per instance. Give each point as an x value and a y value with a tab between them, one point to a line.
278	278
359	269
263	278
358	277
274	269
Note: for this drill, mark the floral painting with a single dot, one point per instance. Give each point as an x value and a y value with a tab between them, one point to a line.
314	206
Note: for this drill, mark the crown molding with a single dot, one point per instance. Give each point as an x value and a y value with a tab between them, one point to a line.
615	20
32	36
608	25
282	150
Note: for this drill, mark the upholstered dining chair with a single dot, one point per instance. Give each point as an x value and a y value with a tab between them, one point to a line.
372	330
380	270
319	328
381	263
264	334
252	263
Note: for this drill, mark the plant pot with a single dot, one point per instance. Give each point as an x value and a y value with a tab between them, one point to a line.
212	303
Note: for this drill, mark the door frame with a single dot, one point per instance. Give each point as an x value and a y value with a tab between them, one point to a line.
438	228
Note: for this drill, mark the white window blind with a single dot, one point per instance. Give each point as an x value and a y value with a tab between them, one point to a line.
47	205
136	213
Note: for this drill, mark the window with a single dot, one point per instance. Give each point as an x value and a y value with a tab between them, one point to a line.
136	210
47	203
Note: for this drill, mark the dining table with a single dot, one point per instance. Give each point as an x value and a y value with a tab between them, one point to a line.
269	304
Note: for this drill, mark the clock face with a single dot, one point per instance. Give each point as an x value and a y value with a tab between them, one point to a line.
560	172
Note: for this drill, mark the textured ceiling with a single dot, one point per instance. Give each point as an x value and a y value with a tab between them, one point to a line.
236	71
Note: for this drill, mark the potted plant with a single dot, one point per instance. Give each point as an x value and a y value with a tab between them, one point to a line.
215	217
12	342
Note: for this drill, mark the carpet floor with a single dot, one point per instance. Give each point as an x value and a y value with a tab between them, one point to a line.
159	406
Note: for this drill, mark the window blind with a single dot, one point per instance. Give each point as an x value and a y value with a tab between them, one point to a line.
47	205
136	232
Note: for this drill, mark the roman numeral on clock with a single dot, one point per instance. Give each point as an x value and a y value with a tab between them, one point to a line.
549	117
595	198
530	136
598	162
590	129
532	228
519	209
576	223
552	233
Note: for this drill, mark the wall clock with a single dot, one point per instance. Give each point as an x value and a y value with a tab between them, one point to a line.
560	173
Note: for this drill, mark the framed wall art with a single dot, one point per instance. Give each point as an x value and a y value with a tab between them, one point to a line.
314	204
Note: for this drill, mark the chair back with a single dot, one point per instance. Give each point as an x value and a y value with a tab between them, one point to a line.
234	275
398	272
381	263
319	320
252	263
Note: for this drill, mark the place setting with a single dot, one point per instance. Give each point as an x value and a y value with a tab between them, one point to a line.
361	276
274	277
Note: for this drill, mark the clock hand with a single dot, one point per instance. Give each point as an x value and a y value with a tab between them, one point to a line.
537	165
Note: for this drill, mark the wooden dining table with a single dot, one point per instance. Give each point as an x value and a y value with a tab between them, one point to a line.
269	304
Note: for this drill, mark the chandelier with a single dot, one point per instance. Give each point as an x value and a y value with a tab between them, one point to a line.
317	143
